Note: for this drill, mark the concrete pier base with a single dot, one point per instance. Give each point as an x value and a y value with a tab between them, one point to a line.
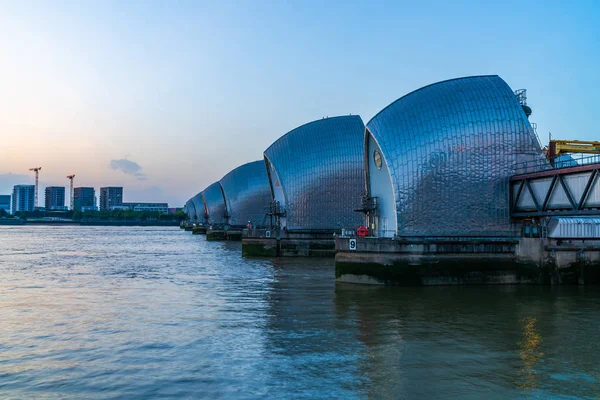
234	235
446	261
259	247
199	230
214	235
189	228
267	243
221	235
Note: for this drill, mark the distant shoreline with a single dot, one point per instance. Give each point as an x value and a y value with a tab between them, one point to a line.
16	222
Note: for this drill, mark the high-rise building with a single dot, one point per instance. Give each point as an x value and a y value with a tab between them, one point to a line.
84	198
5	202
55	198
23	198
111	196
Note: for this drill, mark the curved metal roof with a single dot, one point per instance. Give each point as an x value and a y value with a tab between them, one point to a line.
247	194
215	204
427	87
320	169
189	209
450	148
198	203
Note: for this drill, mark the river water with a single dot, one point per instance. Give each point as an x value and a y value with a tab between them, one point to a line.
125	312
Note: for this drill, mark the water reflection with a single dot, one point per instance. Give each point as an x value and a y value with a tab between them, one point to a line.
529	350
141	313
420	342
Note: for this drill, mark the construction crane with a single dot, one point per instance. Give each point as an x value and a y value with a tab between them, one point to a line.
70	177
37	175
558	147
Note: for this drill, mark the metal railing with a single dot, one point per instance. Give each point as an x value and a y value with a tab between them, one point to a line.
540	165
521	96
536	138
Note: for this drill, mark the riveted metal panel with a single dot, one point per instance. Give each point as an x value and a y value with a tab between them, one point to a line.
215	204
451	148
540	188
515	191
576	184
558	199
247	194
526	202
320	166
593	197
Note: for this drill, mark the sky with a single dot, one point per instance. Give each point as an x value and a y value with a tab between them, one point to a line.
166	97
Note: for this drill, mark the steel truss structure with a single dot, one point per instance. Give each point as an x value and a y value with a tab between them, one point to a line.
568	191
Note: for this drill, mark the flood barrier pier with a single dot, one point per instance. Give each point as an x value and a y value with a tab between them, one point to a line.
282	243
199	230
222	234
445	261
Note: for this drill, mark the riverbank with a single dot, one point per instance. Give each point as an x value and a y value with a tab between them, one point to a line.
33	222
11	221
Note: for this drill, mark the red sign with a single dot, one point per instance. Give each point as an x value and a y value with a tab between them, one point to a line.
362	231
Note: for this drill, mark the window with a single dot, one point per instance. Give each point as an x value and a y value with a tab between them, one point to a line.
377	159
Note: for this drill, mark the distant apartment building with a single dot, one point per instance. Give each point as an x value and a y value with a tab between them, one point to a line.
5	202
23	198
84	199
111	197
160	207
55	198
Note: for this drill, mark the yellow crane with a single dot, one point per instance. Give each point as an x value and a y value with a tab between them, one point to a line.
37	176
71	202
558	147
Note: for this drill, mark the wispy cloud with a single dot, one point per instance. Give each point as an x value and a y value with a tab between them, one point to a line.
128	167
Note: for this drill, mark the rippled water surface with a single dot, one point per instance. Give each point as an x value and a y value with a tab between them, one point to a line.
95	312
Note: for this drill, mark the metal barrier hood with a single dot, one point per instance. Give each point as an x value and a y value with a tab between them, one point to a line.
247	194
447	151
316	172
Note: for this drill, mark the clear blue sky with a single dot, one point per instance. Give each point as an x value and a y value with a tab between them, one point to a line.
185	91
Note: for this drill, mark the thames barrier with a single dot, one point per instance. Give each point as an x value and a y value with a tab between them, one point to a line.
449	184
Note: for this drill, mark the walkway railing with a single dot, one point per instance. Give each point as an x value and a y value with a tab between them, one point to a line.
540	165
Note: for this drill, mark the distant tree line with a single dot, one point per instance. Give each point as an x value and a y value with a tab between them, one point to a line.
113	215
120	215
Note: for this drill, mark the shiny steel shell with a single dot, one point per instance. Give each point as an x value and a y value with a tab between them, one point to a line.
321	172
451	148
215	204
189	210
247	194
198	204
